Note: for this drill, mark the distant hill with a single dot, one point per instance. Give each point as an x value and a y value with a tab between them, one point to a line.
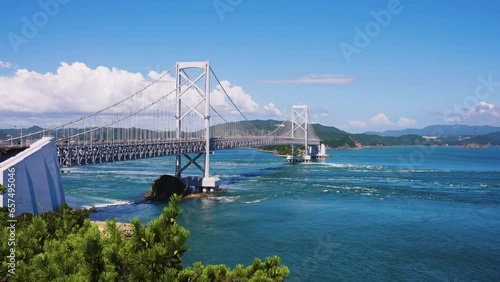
494	135
17	131
458	135
323	129
448	134
404	140
334	137
491	139
445	131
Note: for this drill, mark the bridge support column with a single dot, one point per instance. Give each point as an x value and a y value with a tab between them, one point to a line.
319	151
191	85
300	123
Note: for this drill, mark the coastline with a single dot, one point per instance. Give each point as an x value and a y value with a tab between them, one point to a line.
270	151
193	196
126	228
361	147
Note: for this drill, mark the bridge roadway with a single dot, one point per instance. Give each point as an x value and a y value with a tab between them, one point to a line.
83	153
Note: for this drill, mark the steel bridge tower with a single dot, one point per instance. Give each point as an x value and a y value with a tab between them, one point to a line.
199	82
300	121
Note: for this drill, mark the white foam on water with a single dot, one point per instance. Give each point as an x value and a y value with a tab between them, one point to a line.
254	201
337	165
224	199
108	203
416	170
354	166
236	199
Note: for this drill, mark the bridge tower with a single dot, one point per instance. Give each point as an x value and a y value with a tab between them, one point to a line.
200	83
300	122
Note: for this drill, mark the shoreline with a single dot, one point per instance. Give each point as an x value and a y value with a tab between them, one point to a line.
466	146
193	196
126	228
201	195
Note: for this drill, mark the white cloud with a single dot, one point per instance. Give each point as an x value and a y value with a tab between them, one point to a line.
315	79
5	65
404	121
483	113
483	108
75	89
356	123
272	109
381	122
243	100
381	119
318	113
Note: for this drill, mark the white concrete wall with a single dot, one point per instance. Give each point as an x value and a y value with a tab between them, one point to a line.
37	178
322	149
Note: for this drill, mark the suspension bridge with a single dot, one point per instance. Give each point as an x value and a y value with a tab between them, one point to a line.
186	112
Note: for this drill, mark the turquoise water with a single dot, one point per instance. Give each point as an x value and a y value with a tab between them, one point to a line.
379	214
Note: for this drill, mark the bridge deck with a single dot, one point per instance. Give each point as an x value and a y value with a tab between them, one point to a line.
81	153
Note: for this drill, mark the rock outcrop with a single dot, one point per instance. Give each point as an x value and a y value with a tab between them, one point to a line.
164	187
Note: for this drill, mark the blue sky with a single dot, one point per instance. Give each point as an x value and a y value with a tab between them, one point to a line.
420	63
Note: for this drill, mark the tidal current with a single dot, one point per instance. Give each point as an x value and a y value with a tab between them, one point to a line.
377	214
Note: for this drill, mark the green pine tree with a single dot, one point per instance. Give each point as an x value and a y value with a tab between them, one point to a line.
65	246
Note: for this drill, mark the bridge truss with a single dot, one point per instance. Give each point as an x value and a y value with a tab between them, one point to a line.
182	115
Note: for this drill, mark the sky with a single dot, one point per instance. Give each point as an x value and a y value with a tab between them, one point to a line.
359	65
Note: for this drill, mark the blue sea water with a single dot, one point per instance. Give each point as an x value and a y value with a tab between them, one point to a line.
378	214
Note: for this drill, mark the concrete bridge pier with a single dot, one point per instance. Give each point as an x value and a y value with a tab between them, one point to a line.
202	184
318	151
313	152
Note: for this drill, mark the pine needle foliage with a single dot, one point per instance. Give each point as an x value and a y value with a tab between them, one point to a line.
65	246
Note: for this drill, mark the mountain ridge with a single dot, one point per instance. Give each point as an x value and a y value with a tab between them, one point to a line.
445	131
333	137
